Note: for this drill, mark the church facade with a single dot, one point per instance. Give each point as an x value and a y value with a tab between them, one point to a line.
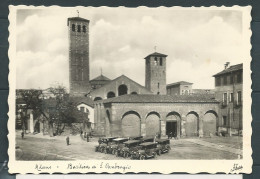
122	107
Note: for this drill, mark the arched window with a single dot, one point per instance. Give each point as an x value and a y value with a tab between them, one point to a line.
84	28
134	92
73	27
122	89
79	28
97	98
155	61
161	61
110	94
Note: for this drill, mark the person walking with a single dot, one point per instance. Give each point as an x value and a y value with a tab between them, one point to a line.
68	140
87	137
22	134
170	135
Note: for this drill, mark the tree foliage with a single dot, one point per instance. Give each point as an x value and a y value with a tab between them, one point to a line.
54	105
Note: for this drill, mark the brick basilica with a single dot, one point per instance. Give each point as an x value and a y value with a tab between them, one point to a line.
122	107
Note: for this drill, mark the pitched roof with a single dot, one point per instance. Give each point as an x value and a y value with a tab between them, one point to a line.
122	76
156	54
180	83
151	98
85	100
230	69
100	78
78	19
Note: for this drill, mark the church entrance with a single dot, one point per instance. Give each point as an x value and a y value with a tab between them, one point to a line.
171	127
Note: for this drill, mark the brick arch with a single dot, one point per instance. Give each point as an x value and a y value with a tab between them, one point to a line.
97	98
131	124
173	123
152	123
153	112
131	112
173	113
212	111
111	94
209	123
192	124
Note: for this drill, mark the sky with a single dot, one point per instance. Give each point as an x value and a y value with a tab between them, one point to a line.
197	42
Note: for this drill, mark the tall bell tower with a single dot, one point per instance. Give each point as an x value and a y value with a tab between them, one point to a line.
78	55
155	73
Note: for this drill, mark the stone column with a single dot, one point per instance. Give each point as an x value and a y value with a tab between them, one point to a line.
143	128
31	123
163	127
102	119
201	125
229	130
183	126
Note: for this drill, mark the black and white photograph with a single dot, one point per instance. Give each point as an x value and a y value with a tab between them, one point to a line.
102	89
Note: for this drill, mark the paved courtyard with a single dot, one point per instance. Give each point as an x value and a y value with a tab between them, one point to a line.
39	147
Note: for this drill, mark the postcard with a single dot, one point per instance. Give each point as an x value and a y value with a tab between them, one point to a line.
120	90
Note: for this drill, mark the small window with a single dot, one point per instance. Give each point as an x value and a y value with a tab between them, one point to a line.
158	85
224	120
239	77
225	98
82	109
217	81
231	79
79	28
231	99
84	28
239	98
225	80
73	27
155	61
161	61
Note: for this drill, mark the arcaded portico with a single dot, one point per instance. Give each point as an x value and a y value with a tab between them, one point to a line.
146	115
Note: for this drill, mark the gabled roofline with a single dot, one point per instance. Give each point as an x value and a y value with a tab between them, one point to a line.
118	78
156	54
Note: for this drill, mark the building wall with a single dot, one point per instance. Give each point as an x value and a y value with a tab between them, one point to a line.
114	85
173	90
230	111
90	112
185	89
155	74
78	57
112	125
179	89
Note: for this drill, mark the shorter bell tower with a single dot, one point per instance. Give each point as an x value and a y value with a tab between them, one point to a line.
155	73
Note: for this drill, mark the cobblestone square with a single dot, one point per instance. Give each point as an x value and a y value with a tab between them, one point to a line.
39	147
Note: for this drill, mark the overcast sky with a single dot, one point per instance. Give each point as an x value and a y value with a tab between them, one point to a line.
197	43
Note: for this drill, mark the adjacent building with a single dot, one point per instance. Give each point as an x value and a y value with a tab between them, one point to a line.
228	90
179	88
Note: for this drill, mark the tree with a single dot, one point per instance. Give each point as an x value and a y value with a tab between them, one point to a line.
54	105
30	100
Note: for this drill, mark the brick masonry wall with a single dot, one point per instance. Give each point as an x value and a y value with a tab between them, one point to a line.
118	110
